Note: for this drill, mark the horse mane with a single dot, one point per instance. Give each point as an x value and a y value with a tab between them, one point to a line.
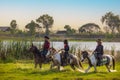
36	49
88	52
53	49
85	52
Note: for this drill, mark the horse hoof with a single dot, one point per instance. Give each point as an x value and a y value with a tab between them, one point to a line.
86	72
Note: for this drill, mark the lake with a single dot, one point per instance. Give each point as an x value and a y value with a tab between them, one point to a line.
85	45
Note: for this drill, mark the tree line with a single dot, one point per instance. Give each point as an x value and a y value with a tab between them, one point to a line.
110	21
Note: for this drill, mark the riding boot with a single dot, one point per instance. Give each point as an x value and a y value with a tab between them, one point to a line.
45	61
64	62
99	62
61	63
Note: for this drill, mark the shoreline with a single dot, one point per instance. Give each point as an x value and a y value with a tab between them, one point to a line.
59	40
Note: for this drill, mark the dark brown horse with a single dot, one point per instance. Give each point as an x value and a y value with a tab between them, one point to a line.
38	57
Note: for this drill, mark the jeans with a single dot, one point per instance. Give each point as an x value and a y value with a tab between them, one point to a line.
44	52
99	57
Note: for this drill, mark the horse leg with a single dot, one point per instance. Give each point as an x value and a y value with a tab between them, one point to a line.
72	66
95	68
35	65
107	68
86	71
79	65
51	66
59	67
40	65
58	64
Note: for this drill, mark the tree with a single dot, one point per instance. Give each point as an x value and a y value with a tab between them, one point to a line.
13	25
89	28
106	29
47	22
69	29
112	21
32	27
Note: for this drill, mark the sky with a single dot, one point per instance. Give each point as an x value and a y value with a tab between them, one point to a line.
64	12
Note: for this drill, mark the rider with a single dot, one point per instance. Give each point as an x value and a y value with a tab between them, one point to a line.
99	50
46	46
66	49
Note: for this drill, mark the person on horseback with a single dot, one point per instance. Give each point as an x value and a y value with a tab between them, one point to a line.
66	49
46	46
99	51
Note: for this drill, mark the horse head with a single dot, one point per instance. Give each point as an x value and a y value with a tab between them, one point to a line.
51	52
32	48
84	55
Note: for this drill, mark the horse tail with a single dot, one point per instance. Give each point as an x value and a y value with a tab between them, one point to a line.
113	61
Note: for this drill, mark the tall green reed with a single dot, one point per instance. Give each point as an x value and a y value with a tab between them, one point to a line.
15	50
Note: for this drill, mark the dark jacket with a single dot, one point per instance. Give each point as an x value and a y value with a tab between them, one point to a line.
99	50
46	45
66	48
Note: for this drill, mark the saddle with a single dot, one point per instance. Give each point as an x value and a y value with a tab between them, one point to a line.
102	61
64	61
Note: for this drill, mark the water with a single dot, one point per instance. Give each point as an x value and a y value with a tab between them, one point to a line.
86	45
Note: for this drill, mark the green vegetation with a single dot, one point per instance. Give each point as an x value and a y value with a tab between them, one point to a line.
89	28
24	70
47	22
32	27
86	32
69	29
112	21
14	50
13	25
16	63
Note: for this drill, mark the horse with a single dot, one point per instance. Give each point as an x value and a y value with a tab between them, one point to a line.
107	60
56	56
38	57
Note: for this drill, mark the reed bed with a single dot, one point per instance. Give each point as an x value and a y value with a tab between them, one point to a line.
15	50
19	50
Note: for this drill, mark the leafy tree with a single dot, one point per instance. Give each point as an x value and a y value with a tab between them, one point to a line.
106	29
47	22
112	21
69	29
89	28
32	27
13	25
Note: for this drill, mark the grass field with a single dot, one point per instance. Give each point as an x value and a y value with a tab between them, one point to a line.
25	71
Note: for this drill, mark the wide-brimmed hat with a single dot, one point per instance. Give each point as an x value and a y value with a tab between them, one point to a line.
98	40
65	41
46	37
